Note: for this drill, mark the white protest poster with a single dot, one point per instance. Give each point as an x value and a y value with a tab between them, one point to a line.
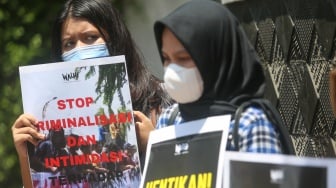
252	170
85	110
187	155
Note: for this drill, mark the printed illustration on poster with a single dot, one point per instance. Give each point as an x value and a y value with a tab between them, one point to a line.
85	110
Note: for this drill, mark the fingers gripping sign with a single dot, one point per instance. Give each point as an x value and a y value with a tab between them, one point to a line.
23	130
143	127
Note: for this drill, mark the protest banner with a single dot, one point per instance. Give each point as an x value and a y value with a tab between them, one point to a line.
256	170
84	108
187	155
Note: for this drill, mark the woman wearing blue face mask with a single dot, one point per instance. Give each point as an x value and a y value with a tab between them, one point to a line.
211	69
91	29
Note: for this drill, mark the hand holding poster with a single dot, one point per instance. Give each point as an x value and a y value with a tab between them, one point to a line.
187	155
85	109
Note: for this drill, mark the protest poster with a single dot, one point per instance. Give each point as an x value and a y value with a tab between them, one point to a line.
255	170
187	155
84	108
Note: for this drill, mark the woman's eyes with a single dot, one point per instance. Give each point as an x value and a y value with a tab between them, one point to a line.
92	38
165	59
184	58
68	45
179	60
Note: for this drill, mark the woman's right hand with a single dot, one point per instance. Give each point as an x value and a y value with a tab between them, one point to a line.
24	129
143	127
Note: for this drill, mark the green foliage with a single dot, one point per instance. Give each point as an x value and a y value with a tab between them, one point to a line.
25	28
24	31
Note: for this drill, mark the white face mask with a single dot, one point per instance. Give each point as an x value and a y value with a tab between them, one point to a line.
184	85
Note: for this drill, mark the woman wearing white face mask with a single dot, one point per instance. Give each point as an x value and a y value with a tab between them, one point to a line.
211	69
184	84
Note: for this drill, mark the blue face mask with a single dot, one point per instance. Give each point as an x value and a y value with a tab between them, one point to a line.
86	52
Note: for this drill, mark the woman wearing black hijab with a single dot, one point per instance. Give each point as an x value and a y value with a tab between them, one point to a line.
211	69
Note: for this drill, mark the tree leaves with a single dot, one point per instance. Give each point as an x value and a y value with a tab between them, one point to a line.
25	29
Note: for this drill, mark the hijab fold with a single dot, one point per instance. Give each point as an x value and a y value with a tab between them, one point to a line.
229	65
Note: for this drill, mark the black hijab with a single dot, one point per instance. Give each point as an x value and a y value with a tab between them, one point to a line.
229	65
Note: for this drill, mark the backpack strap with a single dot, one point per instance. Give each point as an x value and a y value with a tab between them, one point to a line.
173	116
235	133
273	115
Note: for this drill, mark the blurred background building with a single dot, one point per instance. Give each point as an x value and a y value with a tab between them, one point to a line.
295	39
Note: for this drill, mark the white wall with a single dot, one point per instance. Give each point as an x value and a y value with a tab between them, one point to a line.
140	22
